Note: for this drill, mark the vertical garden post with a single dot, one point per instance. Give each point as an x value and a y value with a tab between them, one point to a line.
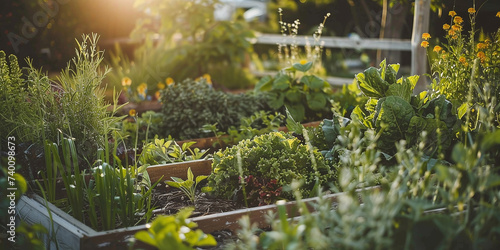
419	54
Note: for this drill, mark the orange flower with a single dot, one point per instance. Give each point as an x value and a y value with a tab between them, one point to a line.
446	26
462	60
452	13
481	56
443	56
498	14
458	20
424	44
481	46
157	95
169	81
451	32
471	11
456	27
132	112
426	36
437	48
126	81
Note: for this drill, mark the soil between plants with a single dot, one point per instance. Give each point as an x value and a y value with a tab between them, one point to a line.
169	201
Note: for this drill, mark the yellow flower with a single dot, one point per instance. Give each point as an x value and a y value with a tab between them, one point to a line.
157	95
481	46
458	20
437	48
456	27
303	61
426	36
452	13
141	89
498	14
132	112
443	56
451	32
160	85
126	82
424	44
446	26
169	81
471	10
208	78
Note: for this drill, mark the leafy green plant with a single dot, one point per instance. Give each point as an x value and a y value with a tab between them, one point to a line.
175	232
188	105
188	186
162	151
395	113
259	123
275	155
307	97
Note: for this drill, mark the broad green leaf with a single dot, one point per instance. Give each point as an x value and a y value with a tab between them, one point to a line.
303	67
206	189
176	179
276	100
265	84
145	237
462	110
313	82
199	178
392	117
291	124
383	68
297	111
173	184
187	184
331	130
190	175
293	95
371	83
316	100
403	90
358	116
281	82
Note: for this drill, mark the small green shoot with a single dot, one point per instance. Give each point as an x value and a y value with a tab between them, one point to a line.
188	186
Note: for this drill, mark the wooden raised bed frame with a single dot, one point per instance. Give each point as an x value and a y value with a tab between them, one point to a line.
72	234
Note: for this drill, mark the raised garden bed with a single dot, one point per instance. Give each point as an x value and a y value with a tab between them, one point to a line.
72	234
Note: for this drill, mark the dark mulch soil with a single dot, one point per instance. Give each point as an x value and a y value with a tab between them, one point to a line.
170	200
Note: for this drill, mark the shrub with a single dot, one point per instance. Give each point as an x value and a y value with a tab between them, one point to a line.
189	105
274	156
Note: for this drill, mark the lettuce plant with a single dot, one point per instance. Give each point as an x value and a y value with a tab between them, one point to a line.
276	155
188	186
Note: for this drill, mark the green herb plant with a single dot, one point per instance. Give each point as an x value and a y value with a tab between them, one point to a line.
161	151
175	232
188	186
189	105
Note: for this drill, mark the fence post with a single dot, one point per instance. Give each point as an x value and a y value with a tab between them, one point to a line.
419	54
